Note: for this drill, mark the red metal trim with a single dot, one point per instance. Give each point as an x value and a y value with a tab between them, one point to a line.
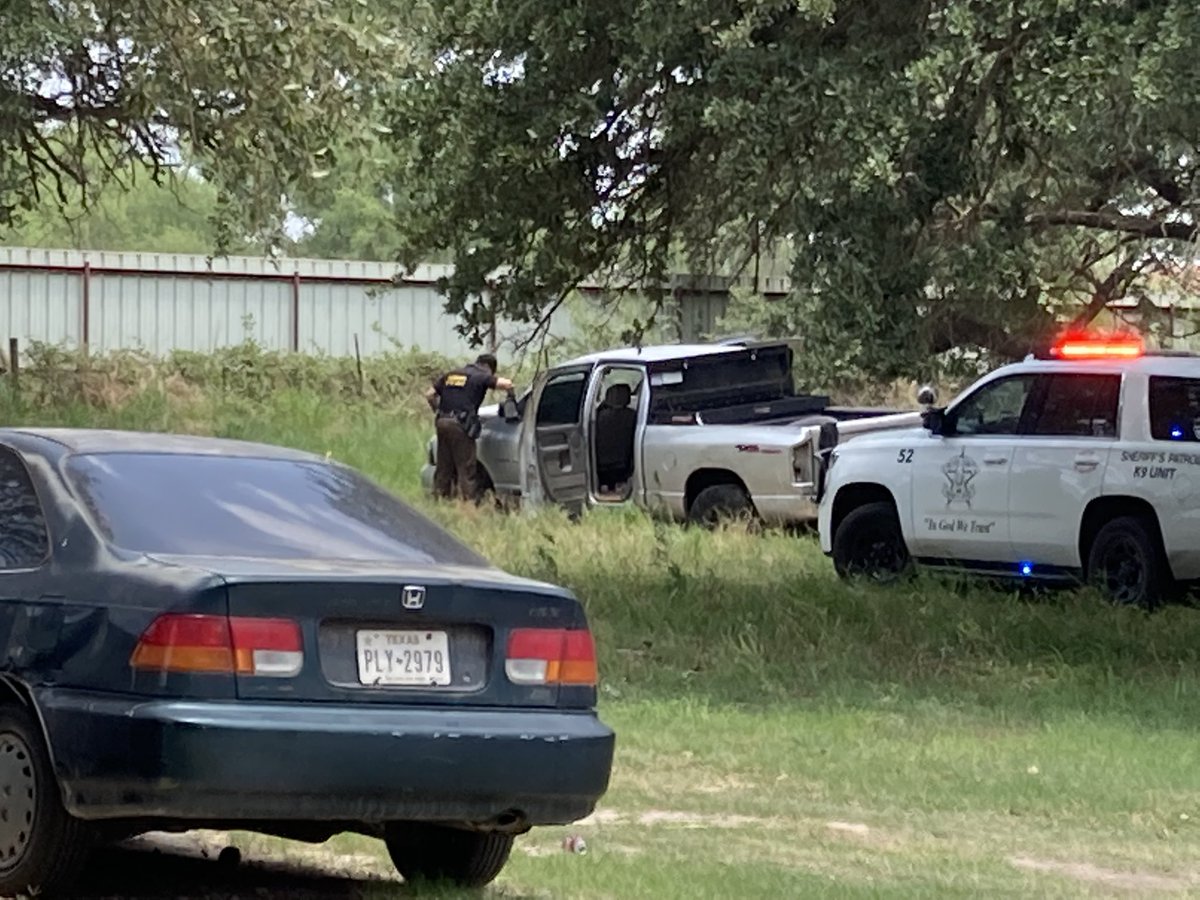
86	306
295	312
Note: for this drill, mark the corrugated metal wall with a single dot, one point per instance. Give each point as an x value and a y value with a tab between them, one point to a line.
163	302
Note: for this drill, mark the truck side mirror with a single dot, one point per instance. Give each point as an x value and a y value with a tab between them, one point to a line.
927	396
509	409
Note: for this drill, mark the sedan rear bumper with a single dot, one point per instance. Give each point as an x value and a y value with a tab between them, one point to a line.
238	761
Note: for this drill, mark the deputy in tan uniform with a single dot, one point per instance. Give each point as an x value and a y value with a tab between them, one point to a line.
455	398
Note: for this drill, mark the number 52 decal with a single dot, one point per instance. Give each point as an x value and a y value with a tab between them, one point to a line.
905	456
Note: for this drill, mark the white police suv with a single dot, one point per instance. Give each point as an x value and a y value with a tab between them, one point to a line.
1081	463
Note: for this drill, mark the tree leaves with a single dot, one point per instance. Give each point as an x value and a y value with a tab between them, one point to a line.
948	173
249	89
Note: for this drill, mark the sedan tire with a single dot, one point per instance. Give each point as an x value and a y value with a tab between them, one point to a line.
42	847
427	852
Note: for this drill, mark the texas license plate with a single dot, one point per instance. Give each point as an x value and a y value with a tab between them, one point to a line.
408	658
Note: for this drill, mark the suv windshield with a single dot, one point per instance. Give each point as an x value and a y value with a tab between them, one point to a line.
201	505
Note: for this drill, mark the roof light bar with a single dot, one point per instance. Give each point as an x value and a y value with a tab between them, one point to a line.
1098	348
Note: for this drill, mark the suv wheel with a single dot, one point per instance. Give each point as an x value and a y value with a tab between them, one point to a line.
720	503
1126	563
426	852
42	847
870	544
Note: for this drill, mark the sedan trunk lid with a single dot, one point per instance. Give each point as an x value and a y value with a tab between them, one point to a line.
396	633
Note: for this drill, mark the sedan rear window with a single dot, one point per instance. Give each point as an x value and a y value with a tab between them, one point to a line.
200	505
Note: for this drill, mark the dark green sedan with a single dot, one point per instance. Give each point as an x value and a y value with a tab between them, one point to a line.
200	633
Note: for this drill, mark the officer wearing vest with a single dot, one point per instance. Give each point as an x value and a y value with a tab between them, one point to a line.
455	398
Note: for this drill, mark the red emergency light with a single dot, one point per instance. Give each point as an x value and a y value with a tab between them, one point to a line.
1113	347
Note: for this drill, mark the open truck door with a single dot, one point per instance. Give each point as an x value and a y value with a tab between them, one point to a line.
554	454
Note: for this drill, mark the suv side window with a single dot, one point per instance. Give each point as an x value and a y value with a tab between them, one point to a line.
24	543
1174	409
999	407
1079	405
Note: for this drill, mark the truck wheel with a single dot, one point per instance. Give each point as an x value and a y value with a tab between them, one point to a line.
719	503
42	847
426	852
869	543
1126	563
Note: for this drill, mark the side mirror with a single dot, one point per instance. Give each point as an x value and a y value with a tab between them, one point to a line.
509	409
927	396
934	420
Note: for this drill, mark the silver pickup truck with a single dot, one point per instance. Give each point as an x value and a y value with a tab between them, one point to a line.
696	432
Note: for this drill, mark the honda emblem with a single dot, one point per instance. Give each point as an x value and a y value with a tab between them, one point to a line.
413	596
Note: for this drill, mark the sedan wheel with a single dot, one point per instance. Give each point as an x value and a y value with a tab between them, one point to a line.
18	799
426	852
42	848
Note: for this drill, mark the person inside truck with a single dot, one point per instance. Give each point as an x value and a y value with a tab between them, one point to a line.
615	426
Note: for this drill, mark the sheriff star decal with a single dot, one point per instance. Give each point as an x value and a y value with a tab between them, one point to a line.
960	471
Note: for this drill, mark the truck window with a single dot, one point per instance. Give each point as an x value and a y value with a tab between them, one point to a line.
1175	409
996	408
562	399
1078	405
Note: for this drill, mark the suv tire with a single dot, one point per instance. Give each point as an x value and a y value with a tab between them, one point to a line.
426	852
870	544
42	847
1126	563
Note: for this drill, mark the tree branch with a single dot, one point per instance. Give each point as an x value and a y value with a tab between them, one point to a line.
956	329
1117	222
1111	288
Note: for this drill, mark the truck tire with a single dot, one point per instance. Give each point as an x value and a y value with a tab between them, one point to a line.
870	544
719	503
42	847
1126	562
423	851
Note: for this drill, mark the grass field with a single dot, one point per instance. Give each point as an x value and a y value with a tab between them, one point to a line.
783	734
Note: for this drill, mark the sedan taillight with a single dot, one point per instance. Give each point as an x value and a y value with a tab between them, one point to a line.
551	656
227	645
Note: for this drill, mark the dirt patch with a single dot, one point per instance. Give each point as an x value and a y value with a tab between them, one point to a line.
1092	874
855	828
257	852
724	784
677	818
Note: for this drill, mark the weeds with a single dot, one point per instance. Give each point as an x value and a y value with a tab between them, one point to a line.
956	727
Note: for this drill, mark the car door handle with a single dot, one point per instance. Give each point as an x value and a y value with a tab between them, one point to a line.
1086	463
994	460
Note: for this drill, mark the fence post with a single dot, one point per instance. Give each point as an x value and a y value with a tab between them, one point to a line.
14	363
85	303
296	311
